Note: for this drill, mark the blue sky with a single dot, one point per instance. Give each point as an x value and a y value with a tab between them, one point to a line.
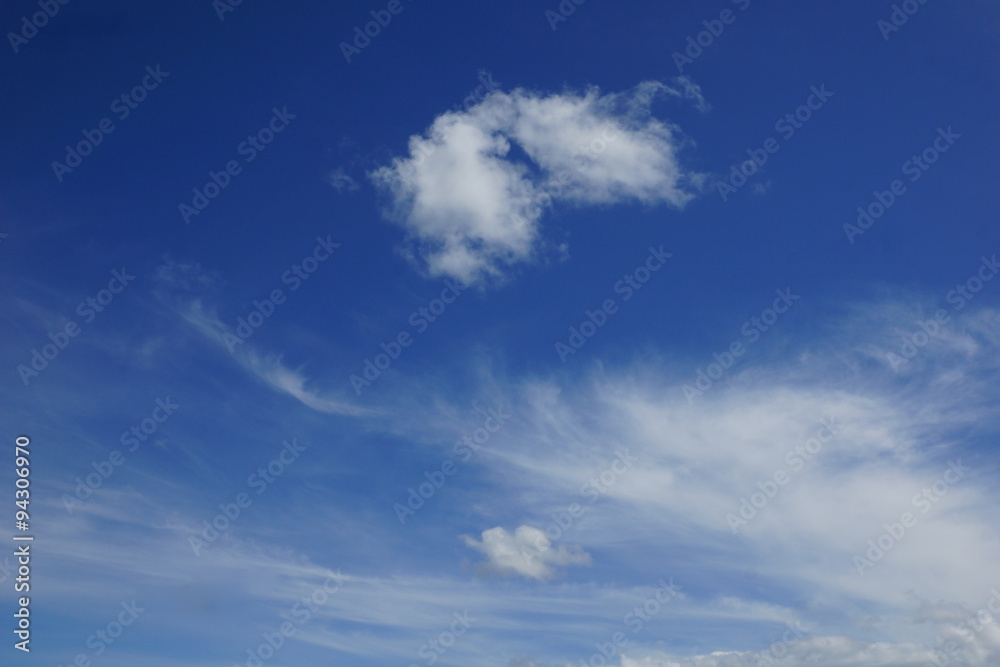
522	334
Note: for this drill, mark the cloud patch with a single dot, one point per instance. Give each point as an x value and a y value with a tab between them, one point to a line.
177	281
527	553
472	204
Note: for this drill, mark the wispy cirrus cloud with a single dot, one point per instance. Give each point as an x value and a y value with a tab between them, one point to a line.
704	502
268	368
182	287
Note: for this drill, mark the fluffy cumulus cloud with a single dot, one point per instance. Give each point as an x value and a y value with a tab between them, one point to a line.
473	204
528	553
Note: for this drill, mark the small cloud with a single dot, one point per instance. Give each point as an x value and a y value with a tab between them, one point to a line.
692	91
185	276
527	553
341	182
293	382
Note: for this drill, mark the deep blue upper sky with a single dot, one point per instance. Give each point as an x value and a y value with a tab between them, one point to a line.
331	172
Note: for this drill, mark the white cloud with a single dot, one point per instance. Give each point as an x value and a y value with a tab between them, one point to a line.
469	207
528	553
813	651
271	370
387	616
173	278
666	517
342	181
897	434
700	460
473	208
185	276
